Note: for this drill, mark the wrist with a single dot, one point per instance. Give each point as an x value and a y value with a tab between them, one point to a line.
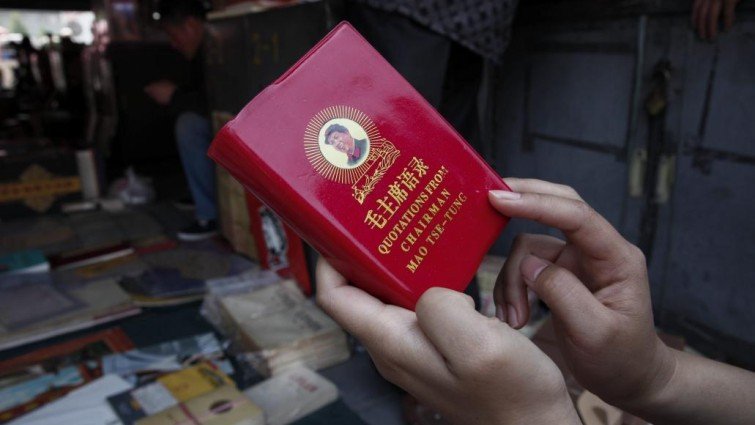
657	388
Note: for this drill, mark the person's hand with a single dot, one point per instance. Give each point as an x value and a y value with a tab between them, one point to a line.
596	285
706	15
161	91
472	369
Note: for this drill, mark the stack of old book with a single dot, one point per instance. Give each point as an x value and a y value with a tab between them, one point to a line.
255	231
282	328
234	215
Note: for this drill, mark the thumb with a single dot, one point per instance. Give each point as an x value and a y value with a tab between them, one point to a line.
568	298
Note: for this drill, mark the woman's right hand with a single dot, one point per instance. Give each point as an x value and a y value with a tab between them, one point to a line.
707	15
596	285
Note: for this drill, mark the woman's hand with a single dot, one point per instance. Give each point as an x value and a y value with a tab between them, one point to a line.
473	369
161	91
596	285
706	15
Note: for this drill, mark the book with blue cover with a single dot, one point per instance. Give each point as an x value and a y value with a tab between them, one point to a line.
184	271
26	261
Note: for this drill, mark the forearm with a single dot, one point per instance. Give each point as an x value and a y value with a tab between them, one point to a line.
184	100
700	391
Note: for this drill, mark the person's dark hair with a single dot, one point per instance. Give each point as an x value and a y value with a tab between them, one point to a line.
174	12
333	129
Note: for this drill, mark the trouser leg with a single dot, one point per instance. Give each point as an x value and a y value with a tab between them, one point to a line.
193	135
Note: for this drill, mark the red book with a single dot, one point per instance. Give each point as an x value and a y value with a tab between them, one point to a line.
85	257
365	171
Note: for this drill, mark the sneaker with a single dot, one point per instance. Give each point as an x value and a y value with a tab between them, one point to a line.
184	204
201	229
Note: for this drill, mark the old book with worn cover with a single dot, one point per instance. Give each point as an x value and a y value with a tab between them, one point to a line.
223	406
291	395
167	391
366	171
280	328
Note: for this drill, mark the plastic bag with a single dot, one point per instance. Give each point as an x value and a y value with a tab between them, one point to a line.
132	189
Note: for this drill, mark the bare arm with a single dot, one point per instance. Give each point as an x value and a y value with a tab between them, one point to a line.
700	391
473	369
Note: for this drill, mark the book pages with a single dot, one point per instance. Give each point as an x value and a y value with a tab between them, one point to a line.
281	328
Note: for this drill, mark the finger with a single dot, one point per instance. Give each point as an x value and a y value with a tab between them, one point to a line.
351	307
713	15
541	186
584	227
510	291
729	7
702	18
403	354
695	12
391	334
568	298
454	327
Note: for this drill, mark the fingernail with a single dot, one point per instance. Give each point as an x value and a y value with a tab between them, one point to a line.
505	194
531	267
513	318
500	313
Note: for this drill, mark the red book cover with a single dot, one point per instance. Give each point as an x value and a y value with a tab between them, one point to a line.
366	171
85	257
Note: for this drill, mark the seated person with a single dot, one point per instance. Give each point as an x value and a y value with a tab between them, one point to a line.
183	21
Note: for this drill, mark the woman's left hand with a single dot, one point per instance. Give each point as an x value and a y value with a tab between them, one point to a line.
472	369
